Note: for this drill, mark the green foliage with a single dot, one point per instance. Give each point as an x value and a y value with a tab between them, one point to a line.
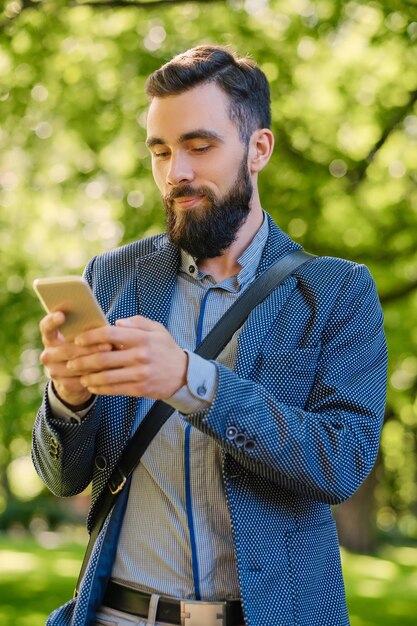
75	176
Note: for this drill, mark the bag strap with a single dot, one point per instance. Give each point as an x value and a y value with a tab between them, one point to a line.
209	348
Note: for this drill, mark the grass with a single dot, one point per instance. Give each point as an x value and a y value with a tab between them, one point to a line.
36	577
382	590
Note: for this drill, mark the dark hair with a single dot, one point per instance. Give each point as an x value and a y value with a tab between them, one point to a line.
240	78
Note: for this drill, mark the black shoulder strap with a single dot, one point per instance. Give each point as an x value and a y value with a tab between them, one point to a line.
209	348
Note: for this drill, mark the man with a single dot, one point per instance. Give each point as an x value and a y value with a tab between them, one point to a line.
231	500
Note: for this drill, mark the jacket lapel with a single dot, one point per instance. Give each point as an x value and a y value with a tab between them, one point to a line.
156	276
277	246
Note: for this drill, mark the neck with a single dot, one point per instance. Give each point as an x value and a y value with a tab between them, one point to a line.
226	265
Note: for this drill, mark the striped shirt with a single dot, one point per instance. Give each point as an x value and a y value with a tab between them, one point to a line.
176	538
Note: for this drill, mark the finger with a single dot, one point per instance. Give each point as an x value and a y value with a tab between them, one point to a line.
118	382
68	385
119	389
115	359
67	351
115	335
133	388
49	327
59	372
111	377
139	322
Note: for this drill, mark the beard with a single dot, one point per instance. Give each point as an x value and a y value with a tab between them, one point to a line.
208	231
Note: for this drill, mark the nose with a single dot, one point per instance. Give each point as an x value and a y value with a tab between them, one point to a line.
179	170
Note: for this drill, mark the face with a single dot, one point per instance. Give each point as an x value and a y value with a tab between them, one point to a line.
200	167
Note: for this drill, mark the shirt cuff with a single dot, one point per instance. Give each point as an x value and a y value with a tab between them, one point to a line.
61	411
198	393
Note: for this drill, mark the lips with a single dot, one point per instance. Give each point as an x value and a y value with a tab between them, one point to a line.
188	202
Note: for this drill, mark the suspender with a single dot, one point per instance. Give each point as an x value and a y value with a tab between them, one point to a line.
209	348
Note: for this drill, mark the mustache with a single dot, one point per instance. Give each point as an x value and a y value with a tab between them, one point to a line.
188	190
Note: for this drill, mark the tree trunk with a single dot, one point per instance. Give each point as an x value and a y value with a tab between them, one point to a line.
355	518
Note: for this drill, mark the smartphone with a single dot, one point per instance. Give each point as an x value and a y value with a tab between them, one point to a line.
73	296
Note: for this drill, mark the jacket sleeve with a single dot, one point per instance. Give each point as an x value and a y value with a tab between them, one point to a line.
310	420
62	451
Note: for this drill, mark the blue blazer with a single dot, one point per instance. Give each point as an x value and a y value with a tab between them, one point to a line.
308	389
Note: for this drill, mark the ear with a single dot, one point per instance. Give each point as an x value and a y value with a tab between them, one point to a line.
261	145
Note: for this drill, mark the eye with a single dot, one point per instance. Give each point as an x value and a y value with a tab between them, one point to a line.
160	154
201	149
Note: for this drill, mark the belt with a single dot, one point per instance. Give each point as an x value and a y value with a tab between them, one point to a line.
173	611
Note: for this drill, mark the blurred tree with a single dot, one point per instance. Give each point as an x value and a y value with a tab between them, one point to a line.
75	176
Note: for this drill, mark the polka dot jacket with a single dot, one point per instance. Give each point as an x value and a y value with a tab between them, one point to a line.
298	422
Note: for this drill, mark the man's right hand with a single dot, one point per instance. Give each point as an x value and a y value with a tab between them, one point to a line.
55	356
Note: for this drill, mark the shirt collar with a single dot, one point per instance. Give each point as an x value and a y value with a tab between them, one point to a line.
249	260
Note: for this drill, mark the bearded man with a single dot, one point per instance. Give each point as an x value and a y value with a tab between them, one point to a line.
227	518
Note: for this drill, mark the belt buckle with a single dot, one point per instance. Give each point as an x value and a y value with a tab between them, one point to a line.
196	613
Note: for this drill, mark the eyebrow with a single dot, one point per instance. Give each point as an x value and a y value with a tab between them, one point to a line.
199	133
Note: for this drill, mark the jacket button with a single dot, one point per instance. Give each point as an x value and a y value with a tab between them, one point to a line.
101	462
249	444
231	433
240	439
